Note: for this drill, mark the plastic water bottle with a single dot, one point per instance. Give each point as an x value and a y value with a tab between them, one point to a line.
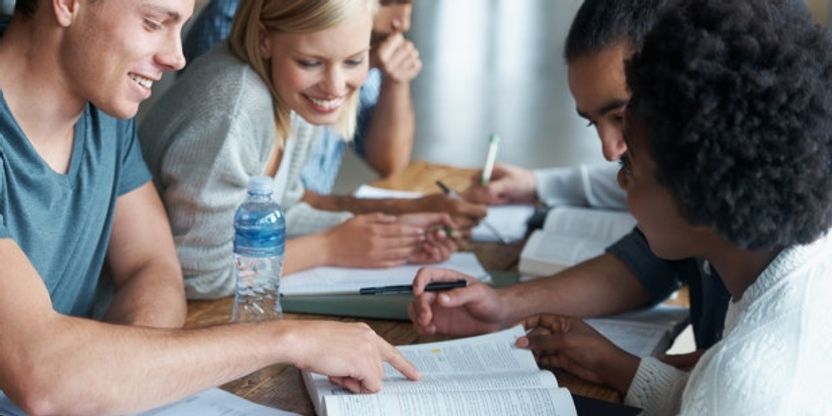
259	237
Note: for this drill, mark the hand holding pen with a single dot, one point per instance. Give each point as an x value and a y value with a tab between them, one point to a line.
453	194
474	309
501	183
508	185
439	242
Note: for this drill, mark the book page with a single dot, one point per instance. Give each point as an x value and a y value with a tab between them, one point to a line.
483	354
343	280
565	250
588	223
484	362
482	403
485	382
372	192
509	220
643	333
637	338
571	236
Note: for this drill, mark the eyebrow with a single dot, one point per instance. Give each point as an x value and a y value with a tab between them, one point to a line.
299	52
172	15
606	108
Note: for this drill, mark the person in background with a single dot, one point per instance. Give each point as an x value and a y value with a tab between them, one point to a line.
6	9
728	158
255	120
76	195
386	120
604	34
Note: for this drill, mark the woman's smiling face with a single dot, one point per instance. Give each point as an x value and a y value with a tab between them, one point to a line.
315	74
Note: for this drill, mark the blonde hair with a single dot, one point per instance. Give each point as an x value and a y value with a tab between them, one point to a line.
292	16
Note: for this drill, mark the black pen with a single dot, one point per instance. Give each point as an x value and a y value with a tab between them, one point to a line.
446	190
405	289
452	194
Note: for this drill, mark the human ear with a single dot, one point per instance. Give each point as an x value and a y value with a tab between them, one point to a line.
265	41
65	11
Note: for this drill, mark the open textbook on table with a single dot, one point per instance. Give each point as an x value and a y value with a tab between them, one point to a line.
483	375
569	236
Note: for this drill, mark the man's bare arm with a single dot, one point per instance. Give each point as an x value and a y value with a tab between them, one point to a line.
143	264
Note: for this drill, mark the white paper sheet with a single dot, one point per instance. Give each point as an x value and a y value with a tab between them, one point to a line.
509	220
215	402
342	280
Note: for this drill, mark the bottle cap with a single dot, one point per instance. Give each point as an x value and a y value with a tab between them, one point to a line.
260	185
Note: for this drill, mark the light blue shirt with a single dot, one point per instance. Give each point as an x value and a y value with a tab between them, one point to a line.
63	221
321	168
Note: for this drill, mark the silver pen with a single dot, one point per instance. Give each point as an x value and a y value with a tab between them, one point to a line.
452	194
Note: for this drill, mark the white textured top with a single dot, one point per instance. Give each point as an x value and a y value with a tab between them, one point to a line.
593	186
775	357
203	140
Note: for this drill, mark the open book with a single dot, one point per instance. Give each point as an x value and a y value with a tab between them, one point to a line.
483	375
645	332
569	236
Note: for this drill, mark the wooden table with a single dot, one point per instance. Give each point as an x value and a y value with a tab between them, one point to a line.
281	385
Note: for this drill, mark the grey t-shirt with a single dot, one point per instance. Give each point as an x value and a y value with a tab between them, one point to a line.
708	295
63	222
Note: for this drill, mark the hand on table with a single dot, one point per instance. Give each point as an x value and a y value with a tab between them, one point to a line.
373	240
571	344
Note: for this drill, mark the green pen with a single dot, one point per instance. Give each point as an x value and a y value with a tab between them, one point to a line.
490	159
448	231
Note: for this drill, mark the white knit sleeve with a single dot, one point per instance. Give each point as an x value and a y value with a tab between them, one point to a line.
206	171
593	186
657	388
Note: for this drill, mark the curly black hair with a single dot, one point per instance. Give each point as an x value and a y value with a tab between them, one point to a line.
736	98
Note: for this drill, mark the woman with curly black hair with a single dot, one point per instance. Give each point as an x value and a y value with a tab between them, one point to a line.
729	159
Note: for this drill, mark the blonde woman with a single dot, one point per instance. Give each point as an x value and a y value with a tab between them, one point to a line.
252	106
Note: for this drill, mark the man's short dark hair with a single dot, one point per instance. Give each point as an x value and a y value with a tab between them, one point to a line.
736	99
26	7
603	23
